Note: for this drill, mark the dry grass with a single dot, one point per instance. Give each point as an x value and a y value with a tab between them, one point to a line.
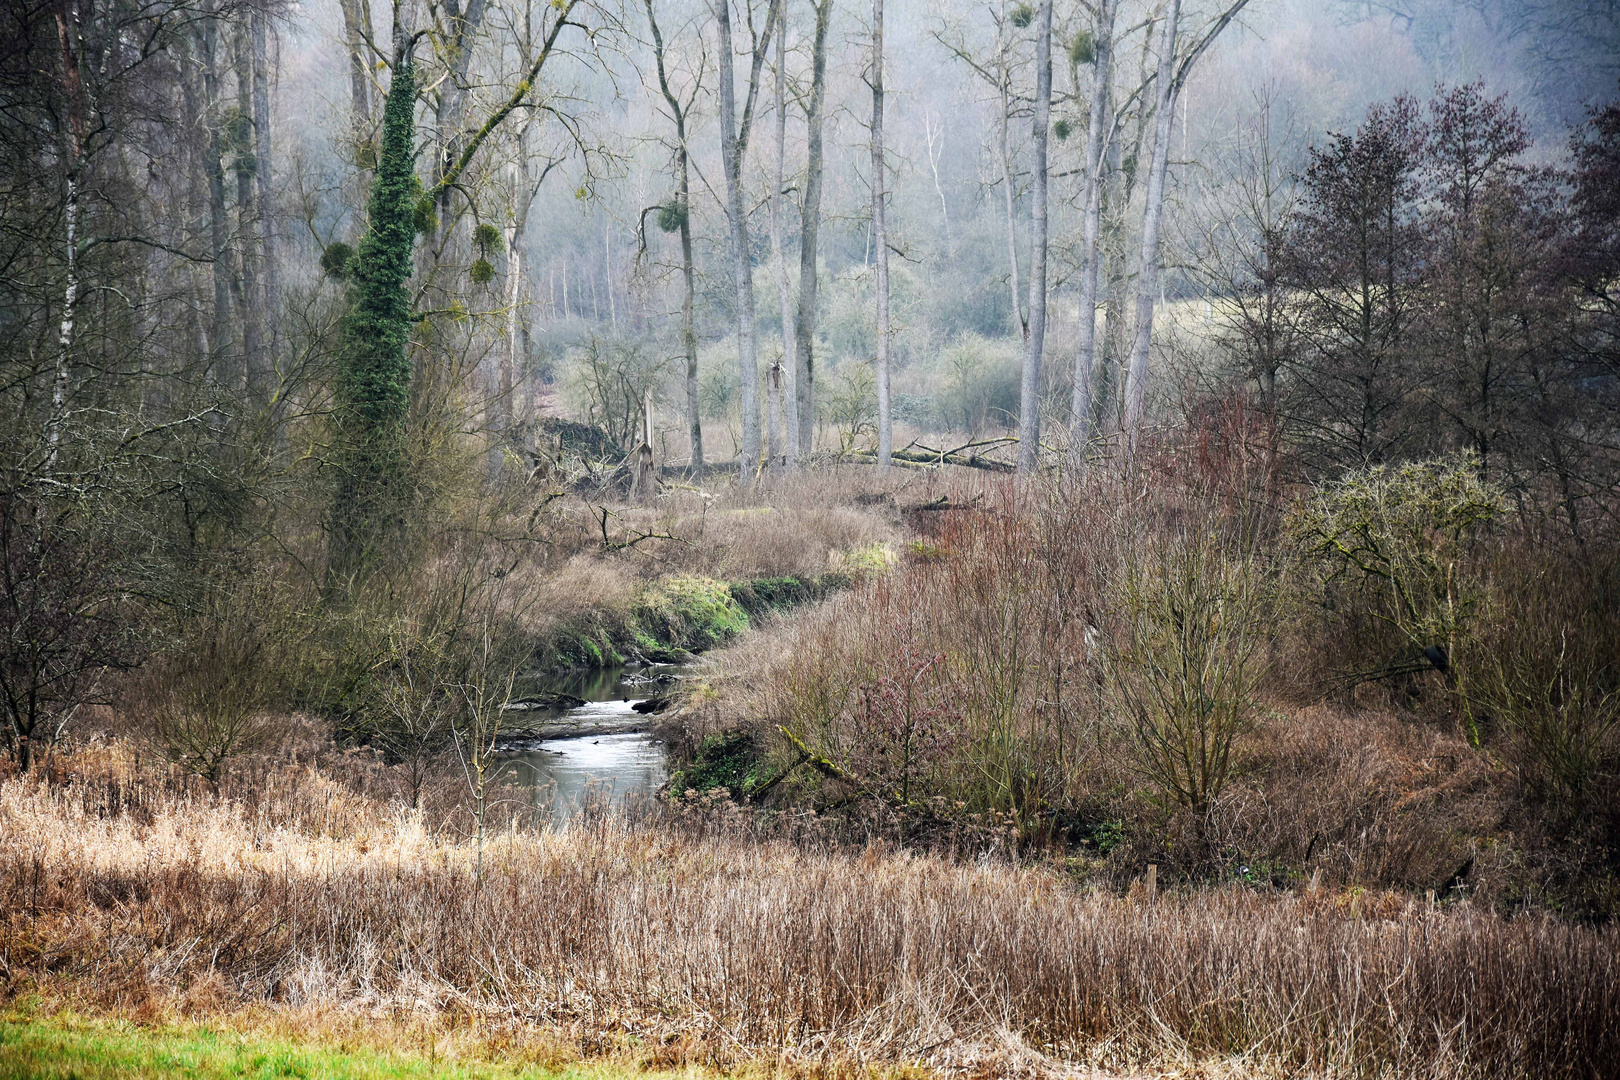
727	950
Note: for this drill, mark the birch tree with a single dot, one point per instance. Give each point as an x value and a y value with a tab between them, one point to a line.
804	335
1029	398
880	237
1091	202
784	288
1168	83
734	134
679	214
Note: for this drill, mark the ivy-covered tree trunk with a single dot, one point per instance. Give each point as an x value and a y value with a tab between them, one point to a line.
373	384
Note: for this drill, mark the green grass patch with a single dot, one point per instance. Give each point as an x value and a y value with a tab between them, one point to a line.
70	1047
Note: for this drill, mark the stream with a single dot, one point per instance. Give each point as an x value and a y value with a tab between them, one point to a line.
576	738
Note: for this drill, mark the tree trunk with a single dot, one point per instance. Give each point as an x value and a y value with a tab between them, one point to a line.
451	106
261	378
1029	398
61	380
356	29
1147	271
250	305
733	147
880	241
809	227
784	288
1007	193
221	364
1091	200
934	152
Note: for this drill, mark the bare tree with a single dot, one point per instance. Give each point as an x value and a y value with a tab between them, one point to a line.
804	339
880	237
679	214
1091	200
784	288
1029	398
1169	81
734	133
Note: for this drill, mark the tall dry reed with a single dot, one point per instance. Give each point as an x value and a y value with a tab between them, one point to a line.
759	949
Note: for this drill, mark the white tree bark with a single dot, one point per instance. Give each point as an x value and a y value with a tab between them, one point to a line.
734	133
809	227
1004	77
262	378
1147	274
1029	398
1085	351
880	242
784	287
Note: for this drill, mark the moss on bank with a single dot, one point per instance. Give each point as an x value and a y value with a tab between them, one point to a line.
678	616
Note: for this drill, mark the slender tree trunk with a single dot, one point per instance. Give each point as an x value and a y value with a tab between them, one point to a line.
67	31
451	107
934	136
880	241
694	423
356	29
262	377
683	200
1147	271
1091	200
732	149
809	227
522	188
221	365
784	288
1029	398
249	303
1009	201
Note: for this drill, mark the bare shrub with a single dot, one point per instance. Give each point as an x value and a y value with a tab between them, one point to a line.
221	689
1193	604
1550	677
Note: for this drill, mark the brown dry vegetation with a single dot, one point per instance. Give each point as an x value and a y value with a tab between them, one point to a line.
1012	670
695	941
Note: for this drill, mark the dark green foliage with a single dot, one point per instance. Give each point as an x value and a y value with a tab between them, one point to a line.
728	760
373	385
1062	129
1083	49
486	236
1022	15
481	271
671	216
335	260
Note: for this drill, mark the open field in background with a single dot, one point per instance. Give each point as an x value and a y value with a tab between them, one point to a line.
730	940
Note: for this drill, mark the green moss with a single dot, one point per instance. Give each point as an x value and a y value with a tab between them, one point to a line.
688	612
678	616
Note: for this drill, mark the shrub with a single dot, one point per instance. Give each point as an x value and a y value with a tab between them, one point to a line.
1395	542
1193	609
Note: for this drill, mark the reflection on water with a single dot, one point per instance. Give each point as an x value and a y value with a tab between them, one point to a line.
566	774
616	684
